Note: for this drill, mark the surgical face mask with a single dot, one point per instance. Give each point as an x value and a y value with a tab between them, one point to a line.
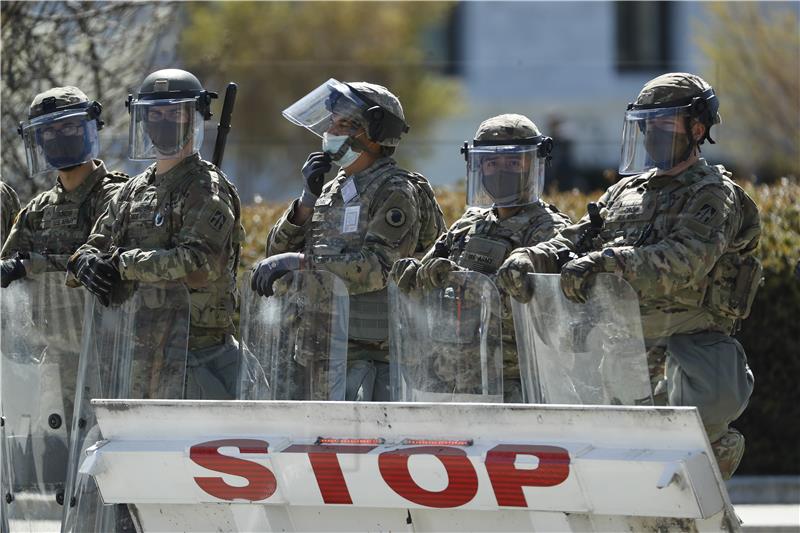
666	148
168	137
338	147
65	151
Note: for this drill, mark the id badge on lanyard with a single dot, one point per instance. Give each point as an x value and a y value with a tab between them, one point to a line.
350	220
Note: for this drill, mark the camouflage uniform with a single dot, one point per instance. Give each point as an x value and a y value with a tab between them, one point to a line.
398	217
9	207
480	241
183	225
533	224
685	243
56	222
47	231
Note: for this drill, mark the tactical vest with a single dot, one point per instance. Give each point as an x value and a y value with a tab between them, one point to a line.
61	225
334	231
485	244
637	216
148	218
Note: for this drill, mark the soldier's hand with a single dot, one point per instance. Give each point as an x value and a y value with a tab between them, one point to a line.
268	270
98	274
577	274
11	270
433	274
314	170
512	276
404	273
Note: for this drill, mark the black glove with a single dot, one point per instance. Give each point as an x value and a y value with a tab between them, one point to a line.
97	274
268	270
12	270
314	169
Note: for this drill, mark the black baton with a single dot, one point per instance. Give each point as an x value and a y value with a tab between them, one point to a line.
224	124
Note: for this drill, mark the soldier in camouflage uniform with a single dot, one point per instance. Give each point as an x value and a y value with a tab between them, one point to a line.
503	216
179	220
9	207
61	135
682	233
358	224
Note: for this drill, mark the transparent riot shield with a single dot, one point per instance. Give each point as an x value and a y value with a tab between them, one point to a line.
135	349
41	321
590	353
294	343
445	344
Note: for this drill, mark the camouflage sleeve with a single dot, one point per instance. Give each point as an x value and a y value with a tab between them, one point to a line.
689	251
285	236
568	236
392	234
20	238
100	238
444	244
103	198
546	226
200	245
9	207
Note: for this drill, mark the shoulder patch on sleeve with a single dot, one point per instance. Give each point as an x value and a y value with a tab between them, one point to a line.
217	220
395	217
706	213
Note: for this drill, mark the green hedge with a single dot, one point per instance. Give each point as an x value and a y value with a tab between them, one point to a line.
770	336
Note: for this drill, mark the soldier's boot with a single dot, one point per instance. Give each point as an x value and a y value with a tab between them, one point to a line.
728	451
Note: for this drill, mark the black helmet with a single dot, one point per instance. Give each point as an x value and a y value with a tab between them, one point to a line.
173	83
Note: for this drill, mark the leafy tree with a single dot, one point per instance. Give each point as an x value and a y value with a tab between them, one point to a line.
754	56
278	51
104	48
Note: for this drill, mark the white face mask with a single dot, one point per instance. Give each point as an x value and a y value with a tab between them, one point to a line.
332	144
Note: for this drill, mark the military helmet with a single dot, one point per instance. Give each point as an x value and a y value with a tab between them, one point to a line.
506	127
64	98
385	120
681	89
506	162
61	130
365	105
167	114
173	84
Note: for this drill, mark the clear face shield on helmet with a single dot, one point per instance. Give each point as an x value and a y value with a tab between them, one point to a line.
506	175
162	129
334	112
657	138
60	140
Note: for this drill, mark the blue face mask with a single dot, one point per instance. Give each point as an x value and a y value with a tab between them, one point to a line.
338	147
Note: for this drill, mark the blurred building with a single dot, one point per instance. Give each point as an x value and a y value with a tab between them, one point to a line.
569	65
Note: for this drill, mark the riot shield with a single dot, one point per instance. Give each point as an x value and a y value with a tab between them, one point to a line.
41	322
135	349
294	343
590	353
445	344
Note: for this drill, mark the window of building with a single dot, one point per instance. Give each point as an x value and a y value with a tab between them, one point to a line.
643	36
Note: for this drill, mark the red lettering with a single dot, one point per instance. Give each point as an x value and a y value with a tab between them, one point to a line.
327	470
462	480
507	480
262	483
